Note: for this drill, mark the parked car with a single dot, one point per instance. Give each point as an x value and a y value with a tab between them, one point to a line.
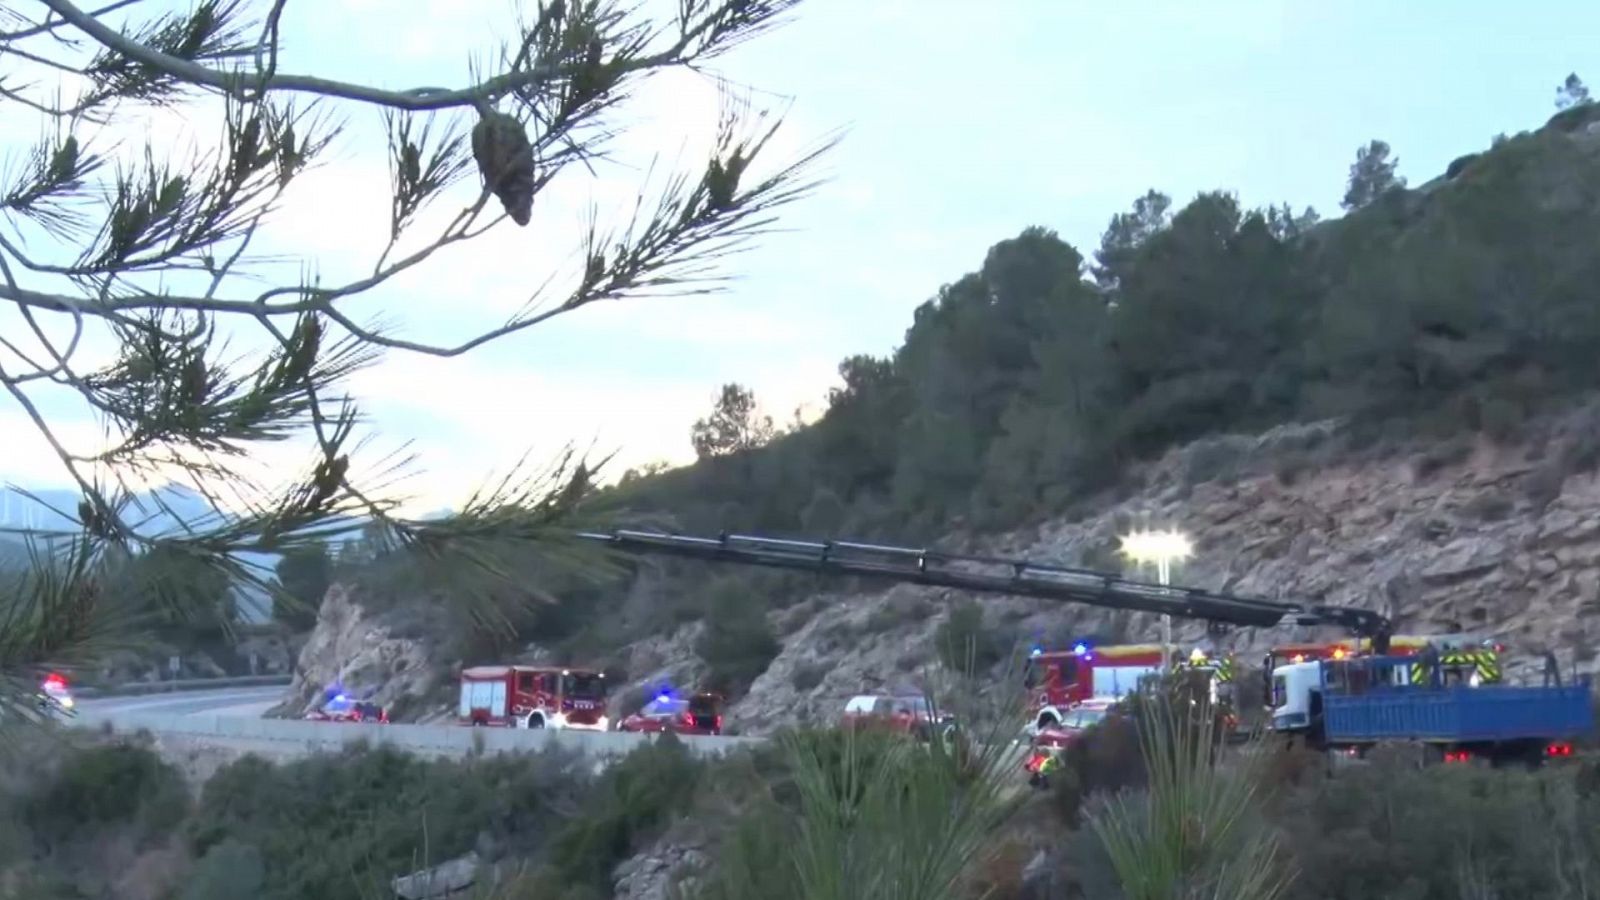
1047	744
900	713
699	713
342	708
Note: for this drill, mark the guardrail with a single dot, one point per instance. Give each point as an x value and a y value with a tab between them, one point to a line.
440	739
180	684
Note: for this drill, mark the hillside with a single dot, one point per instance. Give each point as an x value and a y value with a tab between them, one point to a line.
1435	347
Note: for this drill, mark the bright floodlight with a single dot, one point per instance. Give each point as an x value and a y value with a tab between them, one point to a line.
1159	547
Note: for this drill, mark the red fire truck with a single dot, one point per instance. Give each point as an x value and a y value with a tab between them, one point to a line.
1060	680
533	697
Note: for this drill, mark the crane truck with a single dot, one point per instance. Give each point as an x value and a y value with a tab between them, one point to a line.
1334	703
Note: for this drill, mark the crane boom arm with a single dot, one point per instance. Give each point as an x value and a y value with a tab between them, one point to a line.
994	575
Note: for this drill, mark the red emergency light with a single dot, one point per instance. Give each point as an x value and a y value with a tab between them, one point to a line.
1560	748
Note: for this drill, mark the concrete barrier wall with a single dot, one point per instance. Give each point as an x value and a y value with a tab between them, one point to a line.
439	739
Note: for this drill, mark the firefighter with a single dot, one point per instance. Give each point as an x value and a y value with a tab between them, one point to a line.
1474	666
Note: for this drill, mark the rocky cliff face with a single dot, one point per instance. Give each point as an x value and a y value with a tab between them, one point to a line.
388	659
1497	539
1501	539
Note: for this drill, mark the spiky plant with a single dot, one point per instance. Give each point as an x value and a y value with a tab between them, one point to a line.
863	815
1194	832
124	268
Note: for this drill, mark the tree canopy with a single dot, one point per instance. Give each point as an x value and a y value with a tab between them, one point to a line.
1030	380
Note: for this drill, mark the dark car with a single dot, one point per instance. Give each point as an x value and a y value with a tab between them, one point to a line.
699	713
341	708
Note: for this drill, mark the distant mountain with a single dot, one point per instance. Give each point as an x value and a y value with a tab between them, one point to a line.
167	510
13	554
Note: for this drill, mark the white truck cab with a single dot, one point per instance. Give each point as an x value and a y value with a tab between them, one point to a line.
1297	688
1292	689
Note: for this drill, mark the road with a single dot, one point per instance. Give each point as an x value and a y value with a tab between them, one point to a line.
231	702
230	718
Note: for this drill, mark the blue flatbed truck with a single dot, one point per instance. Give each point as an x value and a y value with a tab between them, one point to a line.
1351	705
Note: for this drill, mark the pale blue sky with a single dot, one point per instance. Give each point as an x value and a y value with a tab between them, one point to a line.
965	127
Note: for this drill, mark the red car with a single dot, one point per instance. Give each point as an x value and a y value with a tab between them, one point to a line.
903	714
1049	742
699	713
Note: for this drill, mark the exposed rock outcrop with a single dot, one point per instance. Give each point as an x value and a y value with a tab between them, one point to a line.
448	879
1467	534
391	659
671	862
1502	540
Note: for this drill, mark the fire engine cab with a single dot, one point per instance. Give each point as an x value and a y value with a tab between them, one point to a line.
533	697
1059	680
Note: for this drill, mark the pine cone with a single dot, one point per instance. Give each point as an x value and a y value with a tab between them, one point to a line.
505	159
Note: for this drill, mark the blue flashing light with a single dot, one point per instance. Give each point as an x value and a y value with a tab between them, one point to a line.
1080	649
339	698
663	697
1036	651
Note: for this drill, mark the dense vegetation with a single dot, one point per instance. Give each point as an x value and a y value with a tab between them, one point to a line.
1025	383
1028	385
329	827
114	820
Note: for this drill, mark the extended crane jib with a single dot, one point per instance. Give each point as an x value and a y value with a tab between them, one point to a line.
993	575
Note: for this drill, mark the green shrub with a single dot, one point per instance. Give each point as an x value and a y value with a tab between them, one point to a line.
1442	832
324	824
632	801
1574	118
1196	829
886	617
229	869
809	675
850	815
738	643
1459	164
965	643
109	785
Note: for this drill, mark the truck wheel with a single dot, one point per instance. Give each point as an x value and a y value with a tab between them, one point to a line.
1048	721
536	721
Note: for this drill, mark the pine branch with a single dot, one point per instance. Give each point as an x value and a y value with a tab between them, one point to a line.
150	254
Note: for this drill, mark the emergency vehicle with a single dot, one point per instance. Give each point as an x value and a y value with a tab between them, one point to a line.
55	698
533	697
1059	680
344	708
1353	703
1046	745
699	713
1475	658
901	713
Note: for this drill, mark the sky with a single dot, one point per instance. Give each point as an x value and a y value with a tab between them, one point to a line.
961	128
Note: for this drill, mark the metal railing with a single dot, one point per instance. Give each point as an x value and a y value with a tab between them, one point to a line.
180	684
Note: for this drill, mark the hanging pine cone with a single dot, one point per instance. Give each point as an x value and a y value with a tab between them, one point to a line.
505	159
